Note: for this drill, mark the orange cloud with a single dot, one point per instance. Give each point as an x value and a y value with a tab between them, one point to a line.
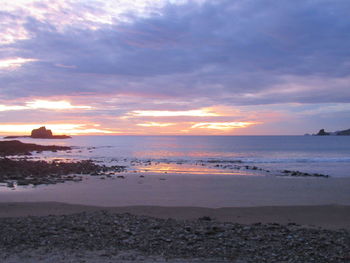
222	125
155	124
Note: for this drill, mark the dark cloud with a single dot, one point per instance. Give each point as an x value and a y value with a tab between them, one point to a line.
219	51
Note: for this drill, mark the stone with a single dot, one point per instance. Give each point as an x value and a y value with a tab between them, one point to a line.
41	132
322	133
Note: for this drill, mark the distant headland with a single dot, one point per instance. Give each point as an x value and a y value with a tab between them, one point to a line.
322	132
40	133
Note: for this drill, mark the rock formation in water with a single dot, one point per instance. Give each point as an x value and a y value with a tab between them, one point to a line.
344	132
40	133
322	132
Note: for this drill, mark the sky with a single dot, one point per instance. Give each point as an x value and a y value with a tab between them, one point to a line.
175	67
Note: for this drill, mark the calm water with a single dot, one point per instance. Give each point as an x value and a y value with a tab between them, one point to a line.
329	155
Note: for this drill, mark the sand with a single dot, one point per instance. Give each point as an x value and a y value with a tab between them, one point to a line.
327	216
310	202
189	191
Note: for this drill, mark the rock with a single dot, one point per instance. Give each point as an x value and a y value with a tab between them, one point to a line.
205	218
19	148
344	132
10	184
322	133
26	172
43	133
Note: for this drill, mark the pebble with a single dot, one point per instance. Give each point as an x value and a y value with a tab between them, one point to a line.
229	242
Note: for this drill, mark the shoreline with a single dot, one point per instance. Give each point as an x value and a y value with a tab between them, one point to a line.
187	190
331	217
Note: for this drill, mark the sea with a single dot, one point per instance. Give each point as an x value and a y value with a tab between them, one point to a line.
242	155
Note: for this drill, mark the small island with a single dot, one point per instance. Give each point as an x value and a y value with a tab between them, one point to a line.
40	133
322	132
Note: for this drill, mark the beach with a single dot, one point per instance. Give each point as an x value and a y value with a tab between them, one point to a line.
333	217
174	131
211	191
83	205
72	233
301	214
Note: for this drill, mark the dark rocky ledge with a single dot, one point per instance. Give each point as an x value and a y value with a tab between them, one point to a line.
19	148
24	172
298	173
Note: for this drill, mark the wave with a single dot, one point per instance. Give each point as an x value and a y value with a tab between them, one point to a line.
297	160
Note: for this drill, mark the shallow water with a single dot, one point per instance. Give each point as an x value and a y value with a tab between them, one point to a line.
313	154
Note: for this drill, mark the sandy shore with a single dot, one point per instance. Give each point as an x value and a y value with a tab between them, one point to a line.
328	216
308	202
321	202
211	191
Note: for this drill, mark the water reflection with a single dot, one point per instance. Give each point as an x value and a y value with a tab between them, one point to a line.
187	168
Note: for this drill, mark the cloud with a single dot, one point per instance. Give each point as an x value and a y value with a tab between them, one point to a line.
153	113
14	63
155	124
148	60
43	104
212	49
222	125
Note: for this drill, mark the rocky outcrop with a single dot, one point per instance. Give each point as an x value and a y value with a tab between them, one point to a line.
26	172
42	132
20	148
322	132
345	132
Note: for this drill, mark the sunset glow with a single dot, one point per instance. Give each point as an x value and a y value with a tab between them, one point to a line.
168	67
155	124
13	63
58	128
184	113
43	104
153	113
222	125
53	105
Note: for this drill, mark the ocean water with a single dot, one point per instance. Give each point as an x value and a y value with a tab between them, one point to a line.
313	154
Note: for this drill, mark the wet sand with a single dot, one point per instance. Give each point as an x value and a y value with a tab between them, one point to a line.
323	202
326	216
308	202
189	191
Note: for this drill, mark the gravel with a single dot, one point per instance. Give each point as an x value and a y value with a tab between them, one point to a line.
205	238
